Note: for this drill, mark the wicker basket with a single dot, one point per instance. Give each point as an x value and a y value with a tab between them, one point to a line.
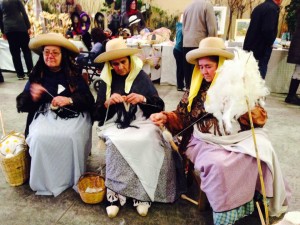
91	180
16	168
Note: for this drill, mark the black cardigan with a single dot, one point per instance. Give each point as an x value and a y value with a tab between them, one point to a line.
82	97
141	85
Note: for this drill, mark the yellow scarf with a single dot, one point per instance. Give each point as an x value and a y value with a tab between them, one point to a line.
136	66
196	82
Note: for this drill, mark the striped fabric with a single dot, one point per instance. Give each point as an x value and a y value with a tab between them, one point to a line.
231	216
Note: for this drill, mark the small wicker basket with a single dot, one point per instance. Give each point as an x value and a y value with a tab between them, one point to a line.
91	180
16	168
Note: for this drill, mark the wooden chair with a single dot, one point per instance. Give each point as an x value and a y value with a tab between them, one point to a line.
194	182
203	203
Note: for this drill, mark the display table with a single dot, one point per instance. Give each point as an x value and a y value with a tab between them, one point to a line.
6	62
168	66
277	79
151	57
79	44
279	72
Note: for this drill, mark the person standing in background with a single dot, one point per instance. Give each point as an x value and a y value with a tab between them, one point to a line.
179	57
131	10
85	22
15	27
294	57
1	77
199	22
262	32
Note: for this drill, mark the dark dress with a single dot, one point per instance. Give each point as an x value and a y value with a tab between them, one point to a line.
129	135
59	140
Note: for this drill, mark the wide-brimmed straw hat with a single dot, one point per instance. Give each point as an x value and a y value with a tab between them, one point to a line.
36	44
133	19
115	49
210	46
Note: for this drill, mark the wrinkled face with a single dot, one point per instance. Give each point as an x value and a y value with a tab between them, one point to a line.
208	68
133	5
121	66
52	56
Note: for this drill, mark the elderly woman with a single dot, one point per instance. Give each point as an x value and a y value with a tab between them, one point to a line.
228	173
58	129
139	164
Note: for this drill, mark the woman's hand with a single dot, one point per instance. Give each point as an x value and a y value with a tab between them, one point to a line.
36	91
61	101
134	98
114	99
159	119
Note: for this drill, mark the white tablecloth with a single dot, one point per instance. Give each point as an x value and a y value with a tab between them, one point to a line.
279	72
168	66
277	79
79	44
151	56
6	62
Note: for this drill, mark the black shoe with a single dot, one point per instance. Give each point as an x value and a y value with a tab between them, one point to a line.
292	100
21	77
1	78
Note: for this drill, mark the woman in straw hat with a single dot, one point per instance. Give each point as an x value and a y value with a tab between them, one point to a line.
225	160
58	102
138	163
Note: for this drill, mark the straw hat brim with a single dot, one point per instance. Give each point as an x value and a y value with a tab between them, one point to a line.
36	44
195	54
116	54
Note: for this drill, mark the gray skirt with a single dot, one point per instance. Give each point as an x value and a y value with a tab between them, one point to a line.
59	149
121	178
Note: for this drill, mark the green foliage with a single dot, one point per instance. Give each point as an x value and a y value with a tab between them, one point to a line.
139	4
291	14
118	4
162	19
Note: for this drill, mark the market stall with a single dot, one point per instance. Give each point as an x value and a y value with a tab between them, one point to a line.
277	79
279	72
6	62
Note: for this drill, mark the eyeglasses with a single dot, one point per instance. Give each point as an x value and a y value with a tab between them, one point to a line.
54	54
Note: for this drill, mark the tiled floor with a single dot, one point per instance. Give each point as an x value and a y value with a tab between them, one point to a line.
19	205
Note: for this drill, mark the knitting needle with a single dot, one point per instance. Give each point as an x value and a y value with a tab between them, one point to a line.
62	106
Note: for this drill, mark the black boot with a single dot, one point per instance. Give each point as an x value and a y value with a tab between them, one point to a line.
1	77
292	97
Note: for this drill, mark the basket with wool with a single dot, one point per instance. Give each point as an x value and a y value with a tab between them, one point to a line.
14	158
91	187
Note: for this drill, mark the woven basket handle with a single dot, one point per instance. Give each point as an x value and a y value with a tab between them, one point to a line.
12	133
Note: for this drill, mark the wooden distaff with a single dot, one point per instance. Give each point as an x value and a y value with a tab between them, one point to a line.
168	137
261	178
2	124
